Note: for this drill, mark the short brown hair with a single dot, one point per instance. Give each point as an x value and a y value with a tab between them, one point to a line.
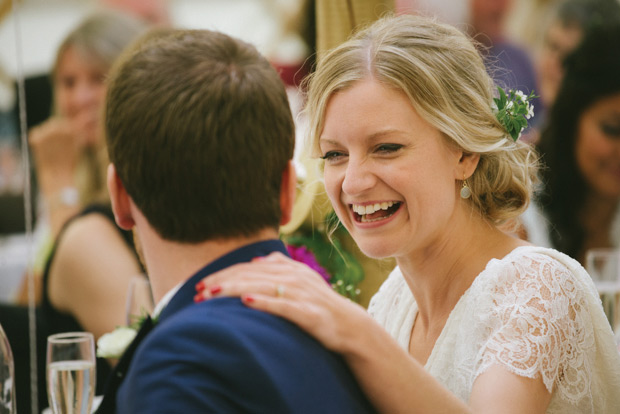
200	131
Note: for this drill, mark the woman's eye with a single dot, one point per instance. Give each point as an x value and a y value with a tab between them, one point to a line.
332	155
388	148
98	78
66	83
611	130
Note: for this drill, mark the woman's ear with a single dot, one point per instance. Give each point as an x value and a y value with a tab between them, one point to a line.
288	190
467	164
121	202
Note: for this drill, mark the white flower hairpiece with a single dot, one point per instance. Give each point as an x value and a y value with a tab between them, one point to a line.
513	109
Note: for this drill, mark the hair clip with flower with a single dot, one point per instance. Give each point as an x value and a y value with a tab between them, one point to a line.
513	109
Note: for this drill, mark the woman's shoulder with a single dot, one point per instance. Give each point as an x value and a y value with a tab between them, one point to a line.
81	232
538	265
84	243
542	301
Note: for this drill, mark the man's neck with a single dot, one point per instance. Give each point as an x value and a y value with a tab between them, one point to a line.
171	263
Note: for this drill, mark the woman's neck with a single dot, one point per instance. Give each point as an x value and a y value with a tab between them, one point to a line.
441	273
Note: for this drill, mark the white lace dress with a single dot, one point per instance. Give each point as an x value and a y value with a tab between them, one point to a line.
536	313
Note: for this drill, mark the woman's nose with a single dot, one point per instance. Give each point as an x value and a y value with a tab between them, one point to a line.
85	94
358	178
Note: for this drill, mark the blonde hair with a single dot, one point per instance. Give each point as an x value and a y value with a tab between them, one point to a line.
443	75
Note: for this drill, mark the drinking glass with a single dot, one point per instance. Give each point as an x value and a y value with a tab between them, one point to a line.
7	376
140	301
603	265
71	372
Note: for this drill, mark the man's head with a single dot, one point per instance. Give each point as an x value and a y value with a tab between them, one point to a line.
200	133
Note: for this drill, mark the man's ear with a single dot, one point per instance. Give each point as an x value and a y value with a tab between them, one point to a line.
288	190
121	202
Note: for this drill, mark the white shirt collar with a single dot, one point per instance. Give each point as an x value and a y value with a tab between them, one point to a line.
164	300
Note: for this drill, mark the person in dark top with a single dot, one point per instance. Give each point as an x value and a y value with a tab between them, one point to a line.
89	247
86	276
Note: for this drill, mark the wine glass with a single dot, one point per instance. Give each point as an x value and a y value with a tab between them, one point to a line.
71	372
140	301
603	265
7	376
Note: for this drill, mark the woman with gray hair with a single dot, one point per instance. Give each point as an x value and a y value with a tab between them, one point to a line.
67	146
90	263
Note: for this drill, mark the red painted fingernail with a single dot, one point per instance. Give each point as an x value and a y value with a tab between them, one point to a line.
200	286
258	258
247	299
215	289
198	298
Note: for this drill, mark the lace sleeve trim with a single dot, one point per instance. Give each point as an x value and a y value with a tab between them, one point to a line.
541	326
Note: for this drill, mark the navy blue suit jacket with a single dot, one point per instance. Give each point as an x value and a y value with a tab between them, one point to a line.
220	356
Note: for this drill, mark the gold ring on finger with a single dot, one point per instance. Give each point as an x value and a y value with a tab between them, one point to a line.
280	291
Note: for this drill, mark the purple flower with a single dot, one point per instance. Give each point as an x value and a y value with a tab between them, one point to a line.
303	255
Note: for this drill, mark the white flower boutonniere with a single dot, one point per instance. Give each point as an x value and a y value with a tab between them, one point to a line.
113	344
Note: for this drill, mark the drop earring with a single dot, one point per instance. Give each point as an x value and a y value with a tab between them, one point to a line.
465	190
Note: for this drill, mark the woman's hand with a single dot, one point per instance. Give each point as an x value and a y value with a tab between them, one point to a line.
56	148
392	380
290	289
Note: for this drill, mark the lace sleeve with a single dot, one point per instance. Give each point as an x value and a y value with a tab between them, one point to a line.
540	326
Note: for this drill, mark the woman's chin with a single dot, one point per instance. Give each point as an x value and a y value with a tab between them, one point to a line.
374	251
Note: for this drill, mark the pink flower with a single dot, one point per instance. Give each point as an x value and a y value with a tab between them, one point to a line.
303	255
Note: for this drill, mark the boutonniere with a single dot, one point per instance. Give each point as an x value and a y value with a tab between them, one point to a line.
113	344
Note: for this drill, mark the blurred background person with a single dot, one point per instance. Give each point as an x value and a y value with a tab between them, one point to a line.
67	148
578	208
509	64
527	21
569	21
87	271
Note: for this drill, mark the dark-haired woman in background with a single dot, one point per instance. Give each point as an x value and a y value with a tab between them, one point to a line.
579	206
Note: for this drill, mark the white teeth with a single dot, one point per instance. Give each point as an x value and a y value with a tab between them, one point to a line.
371	208
367	220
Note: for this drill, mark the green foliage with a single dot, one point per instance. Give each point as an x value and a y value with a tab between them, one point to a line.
344	269
513	110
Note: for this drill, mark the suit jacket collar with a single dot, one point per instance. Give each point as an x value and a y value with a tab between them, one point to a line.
185	295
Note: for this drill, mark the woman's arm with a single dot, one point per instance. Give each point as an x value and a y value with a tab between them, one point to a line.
90	274
393	380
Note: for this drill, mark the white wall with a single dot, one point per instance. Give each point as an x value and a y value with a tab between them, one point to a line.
44	23
41	27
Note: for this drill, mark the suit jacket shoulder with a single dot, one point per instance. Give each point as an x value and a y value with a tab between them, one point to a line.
220	356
